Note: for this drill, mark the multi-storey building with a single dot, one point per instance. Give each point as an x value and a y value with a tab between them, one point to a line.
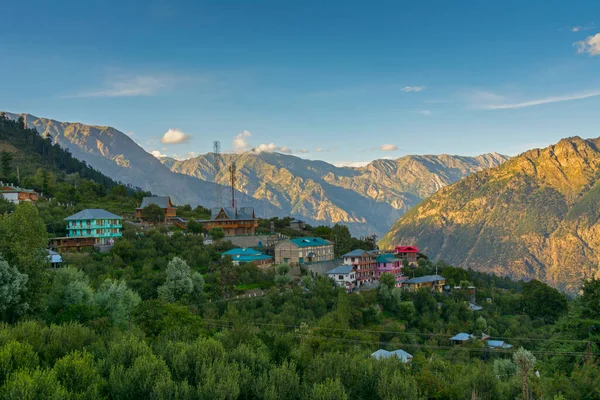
302	250
388	263
364	262
344	276
96	223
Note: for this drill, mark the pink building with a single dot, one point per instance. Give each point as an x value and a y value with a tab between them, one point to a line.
388	263
364	263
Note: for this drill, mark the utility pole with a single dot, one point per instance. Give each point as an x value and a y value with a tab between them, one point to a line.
232	171
217	156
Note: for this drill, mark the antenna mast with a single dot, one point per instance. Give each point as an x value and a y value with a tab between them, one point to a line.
232	170
217	155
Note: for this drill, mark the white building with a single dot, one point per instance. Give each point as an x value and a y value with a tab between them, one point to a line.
344	276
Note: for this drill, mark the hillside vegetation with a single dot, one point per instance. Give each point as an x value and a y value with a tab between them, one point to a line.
534	217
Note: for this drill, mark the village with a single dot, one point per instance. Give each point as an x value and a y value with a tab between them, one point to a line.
355	271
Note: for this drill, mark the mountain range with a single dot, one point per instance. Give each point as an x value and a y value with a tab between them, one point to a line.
535	216
367	199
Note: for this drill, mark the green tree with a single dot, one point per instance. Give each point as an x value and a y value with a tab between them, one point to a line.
27	384
179	282
78	374
15	356
119	191
525	361
5	163
13	286
329	390
117	300
280	383
282	277
342	238
387	279
397	385
23	241
543	302
70	286
153	213
216	234
195	227
343	309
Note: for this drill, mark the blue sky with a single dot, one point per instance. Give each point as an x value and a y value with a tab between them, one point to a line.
346	82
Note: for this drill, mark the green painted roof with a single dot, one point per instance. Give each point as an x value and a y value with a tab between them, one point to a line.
92	213
309	241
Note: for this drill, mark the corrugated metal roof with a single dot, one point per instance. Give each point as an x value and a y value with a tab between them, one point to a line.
310	241
161	201
426	278
461	337
93	213
342	269
239	252
407	249
250	258
355	253
386	258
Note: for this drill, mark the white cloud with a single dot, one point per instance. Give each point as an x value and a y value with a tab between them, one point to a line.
174	136
590	45
353	164
130	86
270	148
579	28
412	89
575	29
388	147
537	102
423	112
240	143
157	154
319	150
302	151
130	133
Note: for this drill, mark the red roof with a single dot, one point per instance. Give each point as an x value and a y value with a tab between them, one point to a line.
406	249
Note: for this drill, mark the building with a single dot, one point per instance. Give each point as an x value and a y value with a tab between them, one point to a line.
71	244
401	354
297	225
409	254
388	263
248	255
233	220
364	262
344	276
303	250
498	344
460	338
16	195
96	223
434	282
164	202
54	258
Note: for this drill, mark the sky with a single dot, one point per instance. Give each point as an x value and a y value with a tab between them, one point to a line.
345	82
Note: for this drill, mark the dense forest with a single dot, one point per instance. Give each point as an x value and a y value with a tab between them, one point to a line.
163	316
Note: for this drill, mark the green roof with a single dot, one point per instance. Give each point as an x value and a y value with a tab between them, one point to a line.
92	213
309	241
387	258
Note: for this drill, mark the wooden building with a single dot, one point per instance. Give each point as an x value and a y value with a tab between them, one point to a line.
409	254
164	202
433	282
233	220
16	195
68	244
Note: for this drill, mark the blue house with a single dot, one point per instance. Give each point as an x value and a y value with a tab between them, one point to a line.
95	223
247	255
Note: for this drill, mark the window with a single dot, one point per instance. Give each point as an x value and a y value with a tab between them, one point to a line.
341	277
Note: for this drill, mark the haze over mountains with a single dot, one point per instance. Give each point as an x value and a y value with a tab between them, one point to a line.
367	199
535	216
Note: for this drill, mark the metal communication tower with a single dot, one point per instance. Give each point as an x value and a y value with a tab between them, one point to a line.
217	155
232	170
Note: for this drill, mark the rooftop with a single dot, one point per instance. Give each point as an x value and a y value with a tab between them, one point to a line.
250	258
461	337
495	344
161	201
242	252
406	249
15	189
309	241
386	258
342	269
232	213
426	278
93	213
